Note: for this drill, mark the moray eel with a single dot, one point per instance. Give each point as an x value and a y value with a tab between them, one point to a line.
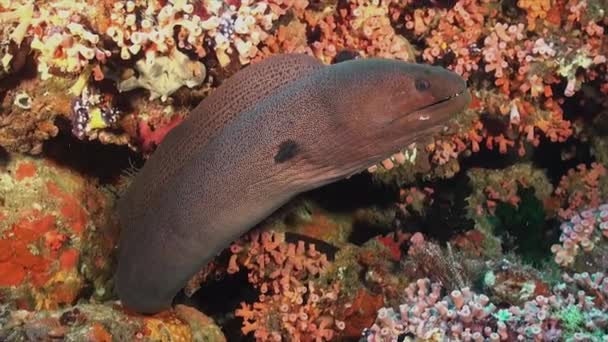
277	128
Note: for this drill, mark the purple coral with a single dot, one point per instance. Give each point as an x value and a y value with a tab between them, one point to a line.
82	108
80	118
110	115
226	26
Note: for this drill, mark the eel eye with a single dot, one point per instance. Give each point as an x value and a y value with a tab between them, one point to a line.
422	84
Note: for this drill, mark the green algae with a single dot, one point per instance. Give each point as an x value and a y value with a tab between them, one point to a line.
525	225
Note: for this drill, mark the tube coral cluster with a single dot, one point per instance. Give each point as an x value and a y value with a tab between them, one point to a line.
581	233
290	304
577	304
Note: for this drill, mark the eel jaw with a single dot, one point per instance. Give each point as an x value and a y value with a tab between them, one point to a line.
432	117
437	111
442	101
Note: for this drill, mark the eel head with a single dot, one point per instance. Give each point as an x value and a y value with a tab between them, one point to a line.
383	105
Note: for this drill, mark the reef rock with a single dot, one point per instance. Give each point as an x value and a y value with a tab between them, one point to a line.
56	234
107	322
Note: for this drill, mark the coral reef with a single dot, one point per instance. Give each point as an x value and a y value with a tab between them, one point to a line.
524	57
117	47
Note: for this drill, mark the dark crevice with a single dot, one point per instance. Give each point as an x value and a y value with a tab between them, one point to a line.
364	230
220	299
557	158
490	159
4	158
359	191
445	217
91	158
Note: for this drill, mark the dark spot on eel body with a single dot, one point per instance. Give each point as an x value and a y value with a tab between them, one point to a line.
287	150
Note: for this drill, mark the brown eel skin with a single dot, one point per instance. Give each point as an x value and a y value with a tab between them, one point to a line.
275	129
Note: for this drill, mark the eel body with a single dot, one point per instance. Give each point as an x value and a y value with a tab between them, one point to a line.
276	129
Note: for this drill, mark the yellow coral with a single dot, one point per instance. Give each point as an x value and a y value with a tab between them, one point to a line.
22	13
64	284
168	330
537	9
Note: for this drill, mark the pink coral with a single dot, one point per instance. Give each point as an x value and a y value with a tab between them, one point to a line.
151	138
460	315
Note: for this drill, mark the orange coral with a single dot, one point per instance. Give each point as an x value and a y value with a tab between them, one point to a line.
535	9
360	313
69	258
40	243
456	30
99	333
277	265
20	259
25	170
71	210
523	122
300	317
363	27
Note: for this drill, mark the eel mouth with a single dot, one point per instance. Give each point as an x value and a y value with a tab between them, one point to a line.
438	110
451	98
434	116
